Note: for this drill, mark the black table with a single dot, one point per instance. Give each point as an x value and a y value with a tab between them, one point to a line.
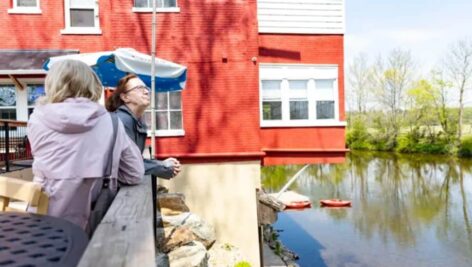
39	240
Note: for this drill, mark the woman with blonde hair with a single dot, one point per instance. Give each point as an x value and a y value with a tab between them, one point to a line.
70	135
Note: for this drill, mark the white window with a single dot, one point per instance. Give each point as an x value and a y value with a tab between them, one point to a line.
81	17
168	114
161	5
35	91
8	102
25	7
299	95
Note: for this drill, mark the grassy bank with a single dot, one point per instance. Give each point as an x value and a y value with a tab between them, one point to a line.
416	140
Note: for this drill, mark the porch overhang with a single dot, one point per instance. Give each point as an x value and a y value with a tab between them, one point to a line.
14	62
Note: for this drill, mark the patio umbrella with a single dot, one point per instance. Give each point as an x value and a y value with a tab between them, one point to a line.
111	66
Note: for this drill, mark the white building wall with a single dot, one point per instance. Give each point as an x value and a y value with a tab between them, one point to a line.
301	16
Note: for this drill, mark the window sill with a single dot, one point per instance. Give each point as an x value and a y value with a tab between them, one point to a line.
159	10
82	30
24	10
319	123
164	133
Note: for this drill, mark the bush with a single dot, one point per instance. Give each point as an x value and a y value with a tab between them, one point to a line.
465	149
417	142
242	264
357	136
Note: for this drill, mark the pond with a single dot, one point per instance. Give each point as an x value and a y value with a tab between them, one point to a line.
407	210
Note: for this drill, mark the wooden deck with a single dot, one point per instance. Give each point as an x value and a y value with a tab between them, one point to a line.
125	237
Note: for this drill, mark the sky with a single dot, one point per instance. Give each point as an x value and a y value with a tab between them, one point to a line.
425	27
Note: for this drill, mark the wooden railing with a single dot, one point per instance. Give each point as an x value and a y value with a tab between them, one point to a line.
125	237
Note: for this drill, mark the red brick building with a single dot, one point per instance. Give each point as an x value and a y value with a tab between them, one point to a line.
264	86
231	55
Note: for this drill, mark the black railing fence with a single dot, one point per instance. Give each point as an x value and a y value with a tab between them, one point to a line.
14	145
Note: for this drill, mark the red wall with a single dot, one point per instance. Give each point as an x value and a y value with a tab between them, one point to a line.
215	40
304	144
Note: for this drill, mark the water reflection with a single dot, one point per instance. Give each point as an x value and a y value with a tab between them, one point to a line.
409	204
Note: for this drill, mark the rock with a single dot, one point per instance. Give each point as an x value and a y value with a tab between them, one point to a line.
223	255
204	232
193	254
169	212
172	201
176	237
161	189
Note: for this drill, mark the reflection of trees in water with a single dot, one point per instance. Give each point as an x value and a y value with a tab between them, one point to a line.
394	196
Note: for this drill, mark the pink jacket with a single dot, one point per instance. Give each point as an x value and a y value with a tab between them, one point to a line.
70	141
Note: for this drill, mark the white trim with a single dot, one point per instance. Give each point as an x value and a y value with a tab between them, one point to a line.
311	73
24	10
159	10
301	16
20	72
163	133
81	30
68	29
302	123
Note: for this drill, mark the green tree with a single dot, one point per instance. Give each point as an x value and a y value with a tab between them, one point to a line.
458	66
392	78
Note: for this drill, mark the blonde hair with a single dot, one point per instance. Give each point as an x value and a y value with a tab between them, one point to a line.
70	79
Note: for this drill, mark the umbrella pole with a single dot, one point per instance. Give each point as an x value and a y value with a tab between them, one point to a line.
153	81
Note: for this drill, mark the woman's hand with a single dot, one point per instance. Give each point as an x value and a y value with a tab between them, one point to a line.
174	164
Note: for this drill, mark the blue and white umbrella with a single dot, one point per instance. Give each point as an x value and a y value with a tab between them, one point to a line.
111	66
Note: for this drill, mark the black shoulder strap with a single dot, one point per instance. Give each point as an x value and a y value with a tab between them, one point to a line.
108	168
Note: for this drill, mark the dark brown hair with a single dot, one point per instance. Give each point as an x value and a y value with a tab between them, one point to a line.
114	101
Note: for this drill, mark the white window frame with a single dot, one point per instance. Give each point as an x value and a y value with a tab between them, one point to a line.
81	30
22	95
25	10
168	132
286	72
175	9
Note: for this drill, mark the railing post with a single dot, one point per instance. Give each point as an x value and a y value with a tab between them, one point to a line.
7	147
154	204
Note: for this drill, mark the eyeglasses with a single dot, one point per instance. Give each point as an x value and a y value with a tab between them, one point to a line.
143	88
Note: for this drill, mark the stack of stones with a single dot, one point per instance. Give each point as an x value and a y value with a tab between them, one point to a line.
185	240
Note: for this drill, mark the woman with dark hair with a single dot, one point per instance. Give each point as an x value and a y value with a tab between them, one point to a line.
130	100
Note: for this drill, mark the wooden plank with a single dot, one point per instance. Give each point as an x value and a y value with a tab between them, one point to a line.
125	237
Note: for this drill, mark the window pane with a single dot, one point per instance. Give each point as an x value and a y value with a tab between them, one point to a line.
272	110
82	3
142	3
26	3
176	120
161	101
324	84
82	18
175	100
299	110
298	88
7	96
324	110
162	121
271	84
8	114
168	3
34	92
297	84
271	89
